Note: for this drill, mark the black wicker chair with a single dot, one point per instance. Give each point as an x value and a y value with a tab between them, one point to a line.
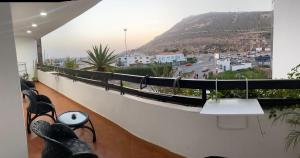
27	85
61	141
40	105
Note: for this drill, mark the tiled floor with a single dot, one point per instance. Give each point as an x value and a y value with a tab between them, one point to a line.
112	140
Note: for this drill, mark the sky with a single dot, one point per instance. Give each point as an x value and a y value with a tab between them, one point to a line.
143	19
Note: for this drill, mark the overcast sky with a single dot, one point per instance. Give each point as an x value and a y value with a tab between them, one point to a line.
144	19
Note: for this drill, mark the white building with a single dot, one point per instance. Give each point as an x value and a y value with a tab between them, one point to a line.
169	57
258	49
135	59
268	49
240	66
223	64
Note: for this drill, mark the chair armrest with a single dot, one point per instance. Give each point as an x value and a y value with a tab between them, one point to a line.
62	132
43	98
84	155
36	91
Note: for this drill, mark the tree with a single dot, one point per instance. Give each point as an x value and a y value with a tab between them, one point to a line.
100	59
70	63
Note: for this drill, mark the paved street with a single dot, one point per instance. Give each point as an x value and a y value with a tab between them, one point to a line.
205	63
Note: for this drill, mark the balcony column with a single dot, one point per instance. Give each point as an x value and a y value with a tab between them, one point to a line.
12	132
39	51
286	37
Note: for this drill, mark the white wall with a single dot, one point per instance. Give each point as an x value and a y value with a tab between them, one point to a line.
27	52
286	48
179	129
13	143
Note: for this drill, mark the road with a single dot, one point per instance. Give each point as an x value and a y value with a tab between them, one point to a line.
204	62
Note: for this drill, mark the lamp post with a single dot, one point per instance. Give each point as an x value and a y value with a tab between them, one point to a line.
217	56
125	32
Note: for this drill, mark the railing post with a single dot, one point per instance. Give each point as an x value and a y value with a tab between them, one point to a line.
106	84
204	96
121	84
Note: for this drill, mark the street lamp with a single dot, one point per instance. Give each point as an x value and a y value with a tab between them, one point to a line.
217	56
125	31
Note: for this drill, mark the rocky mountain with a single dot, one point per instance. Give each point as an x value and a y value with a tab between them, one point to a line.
216	32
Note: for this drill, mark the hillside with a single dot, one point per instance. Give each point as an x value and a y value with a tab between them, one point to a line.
216	32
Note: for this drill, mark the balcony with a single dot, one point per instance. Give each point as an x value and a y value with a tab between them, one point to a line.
135	122
172	121
112	140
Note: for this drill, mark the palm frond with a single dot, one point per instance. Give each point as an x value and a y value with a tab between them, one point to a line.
100	57
89	68
88	62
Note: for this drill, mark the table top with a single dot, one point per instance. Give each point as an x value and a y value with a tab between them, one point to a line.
232	106
73	118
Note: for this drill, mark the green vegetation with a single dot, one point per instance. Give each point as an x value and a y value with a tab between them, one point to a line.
157	70
257	93
191	60
70	63
143	71
178	91
100	59
240	74
161	70
291	117
288	114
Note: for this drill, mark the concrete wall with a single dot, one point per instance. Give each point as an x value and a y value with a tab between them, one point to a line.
179	129
286	50
26	53
13	143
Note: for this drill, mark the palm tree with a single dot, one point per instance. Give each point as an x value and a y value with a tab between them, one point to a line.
100	59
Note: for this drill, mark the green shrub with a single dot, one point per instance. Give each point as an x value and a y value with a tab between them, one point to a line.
158	70
191	60
240	74
143	71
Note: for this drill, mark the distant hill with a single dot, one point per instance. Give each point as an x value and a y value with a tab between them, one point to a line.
216	32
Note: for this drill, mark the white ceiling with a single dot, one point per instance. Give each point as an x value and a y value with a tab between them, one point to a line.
58	13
